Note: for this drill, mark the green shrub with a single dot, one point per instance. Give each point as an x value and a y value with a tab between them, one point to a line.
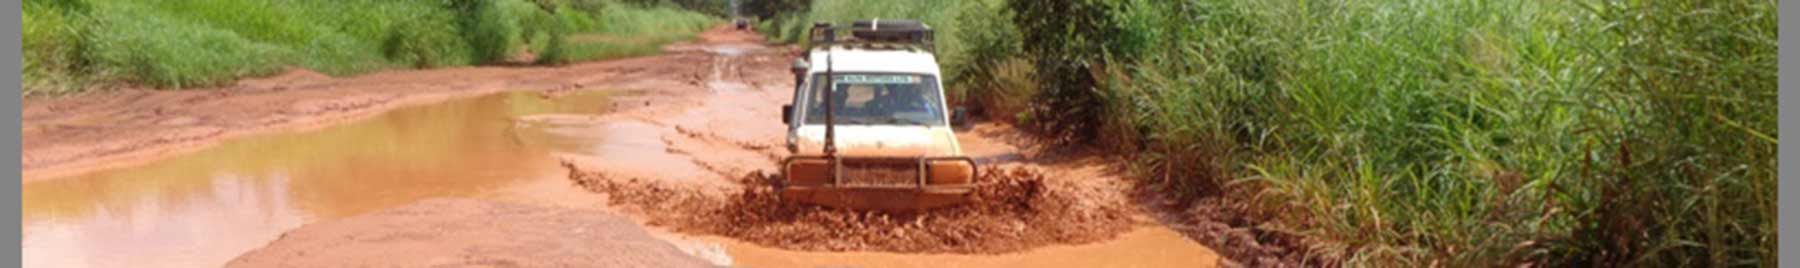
491	28
789	28
766	10
426	41
128	44
556	29
1069	41
574	20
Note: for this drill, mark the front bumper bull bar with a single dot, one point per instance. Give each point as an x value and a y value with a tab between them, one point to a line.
838	189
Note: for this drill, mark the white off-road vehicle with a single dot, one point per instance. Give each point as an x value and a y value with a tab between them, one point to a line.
869	127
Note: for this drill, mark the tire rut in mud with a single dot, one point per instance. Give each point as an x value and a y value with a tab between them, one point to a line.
1017	209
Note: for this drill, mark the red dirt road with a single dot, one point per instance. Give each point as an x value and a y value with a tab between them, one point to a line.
684	128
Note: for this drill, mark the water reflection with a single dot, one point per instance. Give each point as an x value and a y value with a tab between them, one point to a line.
204	208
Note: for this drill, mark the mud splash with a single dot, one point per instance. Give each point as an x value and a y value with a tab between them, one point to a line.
1017	209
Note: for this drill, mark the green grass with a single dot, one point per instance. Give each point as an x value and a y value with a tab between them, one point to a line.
76	45
1404	133
623	34
48	48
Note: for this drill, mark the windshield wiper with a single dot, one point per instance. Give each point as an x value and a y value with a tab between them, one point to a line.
904	120
881	120
855	120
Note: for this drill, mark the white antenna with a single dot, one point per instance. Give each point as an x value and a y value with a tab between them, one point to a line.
830	121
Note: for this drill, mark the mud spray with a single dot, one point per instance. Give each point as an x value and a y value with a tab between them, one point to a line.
1016	209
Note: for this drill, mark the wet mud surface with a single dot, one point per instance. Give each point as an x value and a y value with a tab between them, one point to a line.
434	233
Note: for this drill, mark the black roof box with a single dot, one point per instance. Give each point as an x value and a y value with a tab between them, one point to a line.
875	32
896	25
891	30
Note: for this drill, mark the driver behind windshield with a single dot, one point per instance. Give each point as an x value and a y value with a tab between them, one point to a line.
880	99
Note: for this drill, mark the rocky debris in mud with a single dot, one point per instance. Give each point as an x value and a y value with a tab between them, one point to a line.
1017	209
464	233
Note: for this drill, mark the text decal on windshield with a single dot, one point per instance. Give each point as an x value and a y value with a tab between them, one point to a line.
859	79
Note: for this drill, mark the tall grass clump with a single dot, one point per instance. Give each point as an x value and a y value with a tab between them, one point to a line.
1417	133
1686	174
50	40
652	21
73	45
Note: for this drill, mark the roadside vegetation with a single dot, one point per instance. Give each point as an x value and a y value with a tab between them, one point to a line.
76	45
1400	133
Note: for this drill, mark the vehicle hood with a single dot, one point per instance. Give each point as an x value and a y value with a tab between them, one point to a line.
880	141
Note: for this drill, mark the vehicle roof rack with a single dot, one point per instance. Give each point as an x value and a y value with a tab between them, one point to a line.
876	34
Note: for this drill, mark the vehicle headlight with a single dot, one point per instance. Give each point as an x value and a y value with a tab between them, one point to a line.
950	172
807	172
793	146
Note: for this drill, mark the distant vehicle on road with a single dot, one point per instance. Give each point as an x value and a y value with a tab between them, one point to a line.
743	24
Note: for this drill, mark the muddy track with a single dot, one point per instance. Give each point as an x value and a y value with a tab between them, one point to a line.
687	138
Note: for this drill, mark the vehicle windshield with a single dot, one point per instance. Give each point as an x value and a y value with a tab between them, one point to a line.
877	99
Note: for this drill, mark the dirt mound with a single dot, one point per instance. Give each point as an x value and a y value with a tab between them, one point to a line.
1017	209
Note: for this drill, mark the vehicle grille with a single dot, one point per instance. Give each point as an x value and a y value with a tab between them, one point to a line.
880	173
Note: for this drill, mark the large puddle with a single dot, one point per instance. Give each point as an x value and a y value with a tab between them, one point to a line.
204	208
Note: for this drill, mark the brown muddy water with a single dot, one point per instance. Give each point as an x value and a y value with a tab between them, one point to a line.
1146	246
202	209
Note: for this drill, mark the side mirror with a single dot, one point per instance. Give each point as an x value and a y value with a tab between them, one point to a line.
787	114
959	116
